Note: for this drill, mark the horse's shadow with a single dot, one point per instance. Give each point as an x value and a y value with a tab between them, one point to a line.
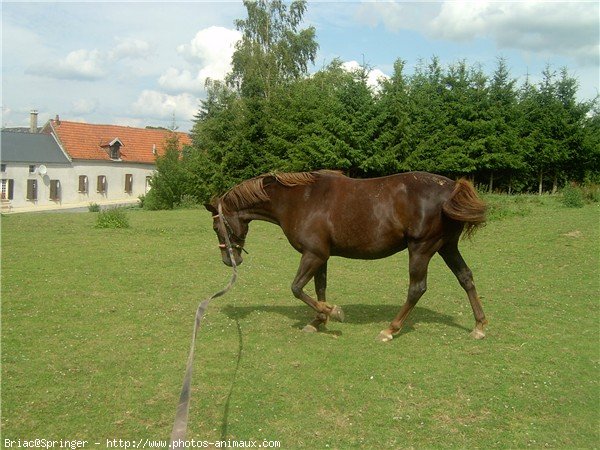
356	314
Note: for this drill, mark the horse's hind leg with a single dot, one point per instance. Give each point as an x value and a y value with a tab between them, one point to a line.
418	262
314	266
456	263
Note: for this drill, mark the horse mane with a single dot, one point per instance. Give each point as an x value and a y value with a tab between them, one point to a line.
252	191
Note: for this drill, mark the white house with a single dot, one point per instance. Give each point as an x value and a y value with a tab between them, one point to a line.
72	164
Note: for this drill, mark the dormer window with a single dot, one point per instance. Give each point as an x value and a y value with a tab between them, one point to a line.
113	148
115	151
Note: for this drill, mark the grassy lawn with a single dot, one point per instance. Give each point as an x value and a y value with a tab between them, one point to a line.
96	326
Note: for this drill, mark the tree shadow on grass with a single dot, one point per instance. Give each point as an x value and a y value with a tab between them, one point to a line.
358	314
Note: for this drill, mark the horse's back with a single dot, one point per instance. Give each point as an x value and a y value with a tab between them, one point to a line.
405	191
375	217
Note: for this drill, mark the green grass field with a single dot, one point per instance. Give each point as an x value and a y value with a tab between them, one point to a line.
96	326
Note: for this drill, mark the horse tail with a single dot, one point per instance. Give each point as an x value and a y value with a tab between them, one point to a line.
464	205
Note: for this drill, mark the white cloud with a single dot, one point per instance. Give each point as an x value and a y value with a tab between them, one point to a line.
130	122
175	80
397	15
160	105
130	48
84	106
78	65
541	27
209	54
372	78
211	46
93	64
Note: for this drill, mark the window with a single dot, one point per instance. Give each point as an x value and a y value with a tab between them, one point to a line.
101	184
32	168
8	187
83	184
148	183
115	151
32	190
128	183
2	167
54	190
112	148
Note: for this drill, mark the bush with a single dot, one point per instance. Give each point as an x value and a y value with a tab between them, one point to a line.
501	206
154	202
188	201
112	218
94	207
572	196
591	192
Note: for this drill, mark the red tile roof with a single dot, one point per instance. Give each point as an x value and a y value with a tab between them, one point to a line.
89	141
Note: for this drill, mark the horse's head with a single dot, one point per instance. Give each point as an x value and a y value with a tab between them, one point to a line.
229	225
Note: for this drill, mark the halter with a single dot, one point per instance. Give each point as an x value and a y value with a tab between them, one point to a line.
236	241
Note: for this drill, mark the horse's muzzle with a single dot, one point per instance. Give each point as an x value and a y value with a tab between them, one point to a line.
227	260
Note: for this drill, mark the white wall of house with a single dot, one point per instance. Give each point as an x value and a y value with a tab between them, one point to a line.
68	176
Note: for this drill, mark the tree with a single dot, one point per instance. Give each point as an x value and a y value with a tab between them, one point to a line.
272	50
503	154
169	181
590	161
323	121
428	116
394	134
449	118
571	129
554	128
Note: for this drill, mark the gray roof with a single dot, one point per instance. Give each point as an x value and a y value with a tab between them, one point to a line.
30	148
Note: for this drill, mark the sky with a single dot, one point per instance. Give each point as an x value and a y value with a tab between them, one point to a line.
145	63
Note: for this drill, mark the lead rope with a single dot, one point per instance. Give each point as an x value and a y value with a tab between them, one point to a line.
181	416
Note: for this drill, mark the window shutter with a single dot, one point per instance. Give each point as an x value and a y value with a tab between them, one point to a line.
83	184
11	188
54	190
128	183
101	183
31	189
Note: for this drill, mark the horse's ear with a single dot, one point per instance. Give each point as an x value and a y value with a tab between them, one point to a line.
211	208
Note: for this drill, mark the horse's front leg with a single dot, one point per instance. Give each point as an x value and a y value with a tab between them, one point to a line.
314	266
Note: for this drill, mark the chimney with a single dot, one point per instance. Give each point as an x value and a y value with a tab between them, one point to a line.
57	120
33	128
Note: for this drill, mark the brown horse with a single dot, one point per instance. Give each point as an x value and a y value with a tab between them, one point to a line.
325	214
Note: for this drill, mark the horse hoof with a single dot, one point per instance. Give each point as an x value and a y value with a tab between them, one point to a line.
309	329
337	314
385	336
477	334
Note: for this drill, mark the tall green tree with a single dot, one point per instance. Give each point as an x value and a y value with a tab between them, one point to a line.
323	121
571	129
429	116
503	155
232	127
554	127
590	161
273	49
394	134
